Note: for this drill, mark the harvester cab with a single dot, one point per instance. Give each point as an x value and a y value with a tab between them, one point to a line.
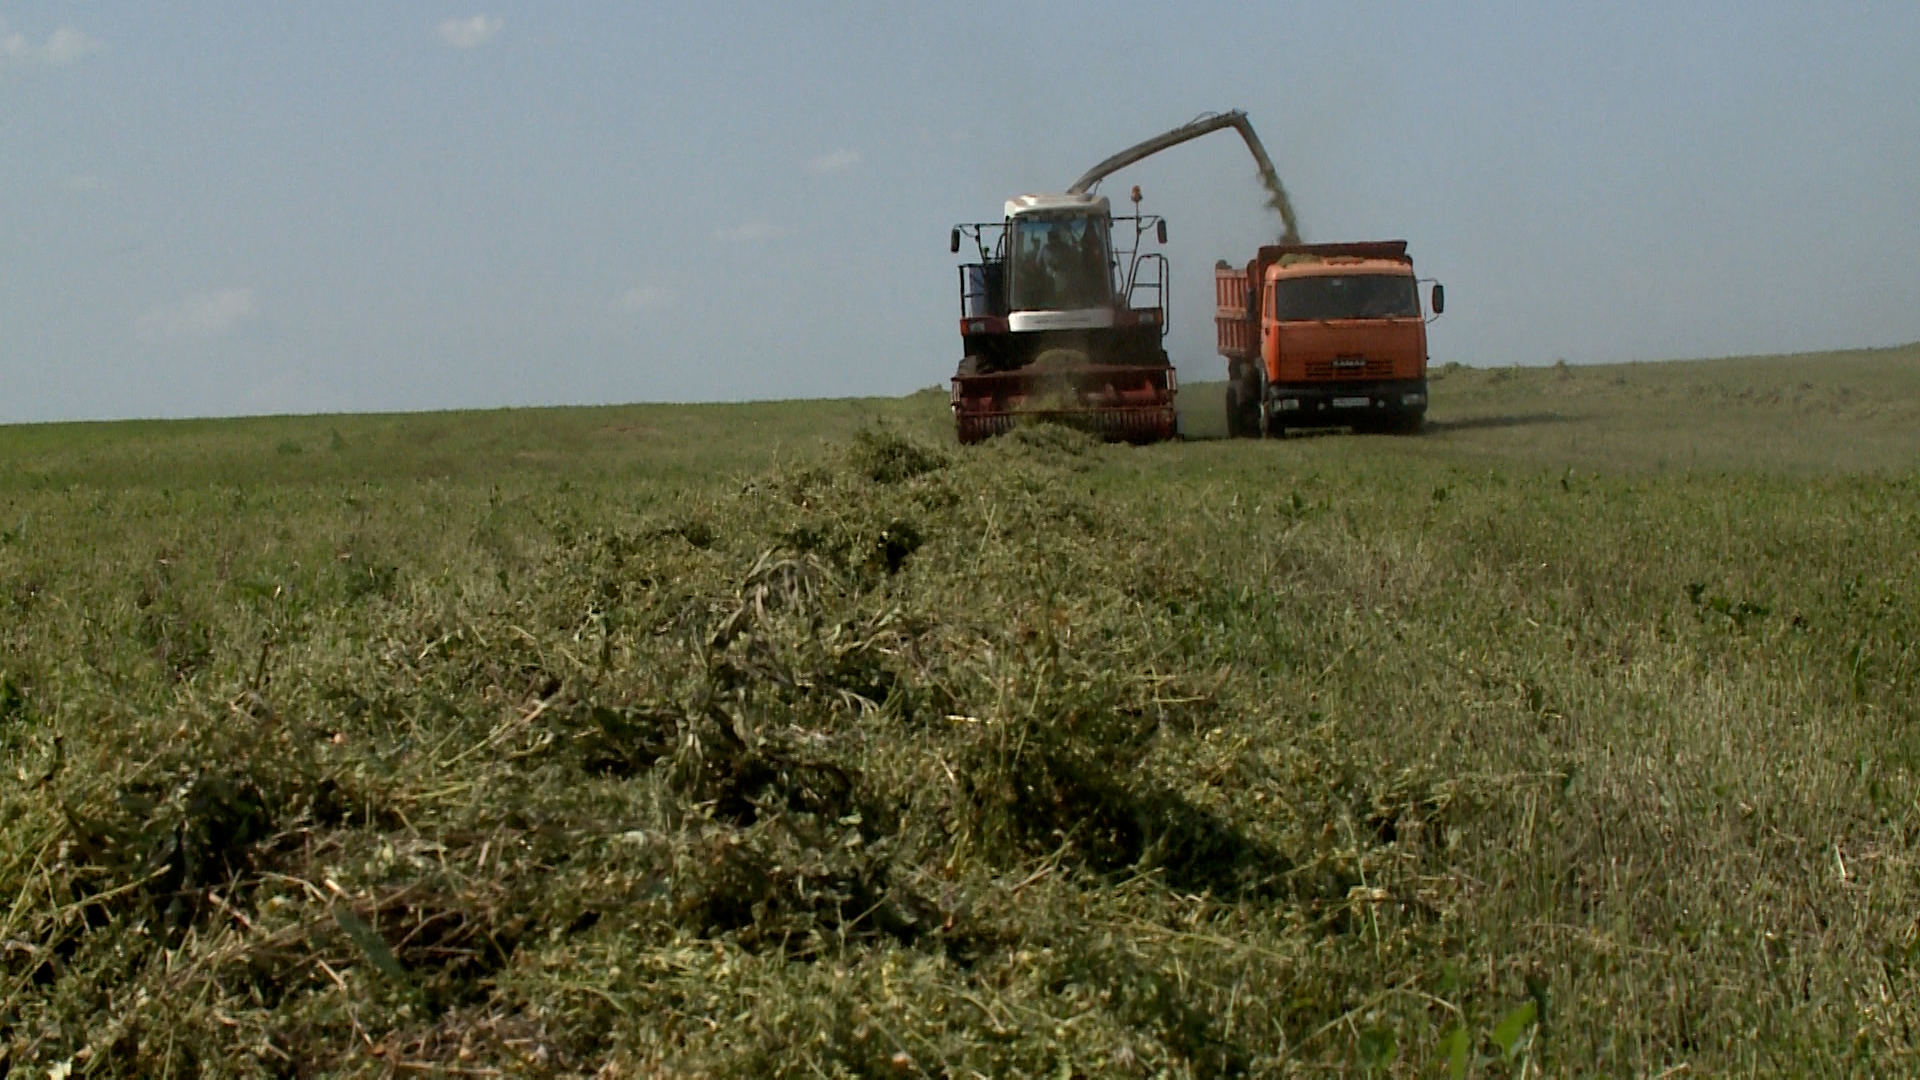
1061	319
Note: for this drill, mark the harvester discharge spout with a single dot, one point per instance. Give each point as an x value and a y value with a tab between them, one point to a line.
1205	124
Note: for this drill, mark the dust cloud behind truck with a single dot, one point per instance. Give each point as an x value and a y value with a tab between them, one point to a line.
1324	335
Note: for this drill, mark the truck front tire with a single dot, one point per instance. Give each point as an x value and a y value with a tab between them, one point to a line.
1270	428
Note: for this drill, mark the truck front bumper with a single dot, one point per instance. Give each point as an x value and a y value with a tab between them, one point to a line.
1345	404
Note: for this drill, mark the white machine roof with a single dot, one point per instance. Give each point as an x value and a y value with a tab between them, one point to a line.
1085	203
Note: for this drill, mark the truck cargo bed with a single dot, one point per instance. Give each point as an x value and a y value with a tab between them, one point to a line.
1234	327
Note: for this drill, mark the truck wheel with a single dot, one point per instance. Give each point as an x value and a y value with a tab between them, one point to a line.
1243	407
1269	427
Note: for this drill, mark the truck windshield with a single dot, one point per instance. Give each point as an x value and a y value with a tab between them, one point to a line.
1356	296
1060	264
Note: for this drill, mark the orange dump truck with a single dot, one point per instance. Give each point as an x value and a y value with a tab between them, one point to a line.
1324	335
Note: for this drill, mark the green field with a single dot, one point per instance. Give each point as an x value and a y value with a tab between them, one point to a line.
1576	735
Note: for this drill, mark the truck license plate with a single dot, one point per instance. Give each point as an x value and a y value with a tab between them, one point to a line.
1351	402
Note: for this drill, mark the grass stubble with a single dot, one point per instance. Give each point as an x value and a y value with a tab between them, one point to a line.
627	742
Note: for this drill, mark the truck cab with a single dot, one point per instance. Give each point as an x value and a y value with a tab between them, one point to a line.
1333	335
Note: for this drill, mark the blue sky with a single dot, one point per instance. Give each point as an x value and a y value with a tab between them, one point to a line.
243	207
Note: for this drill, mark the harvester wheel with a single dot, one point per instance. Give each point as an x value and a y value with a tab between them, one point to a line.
1236	423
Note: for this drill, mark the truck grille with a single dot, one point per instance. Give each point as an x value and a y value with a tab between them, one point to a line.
1350	368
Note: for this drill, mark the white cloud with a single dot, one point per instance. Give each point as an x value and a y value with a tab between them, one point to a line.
749	232
65	46
197	318
836	162
68	44
645	298
470	33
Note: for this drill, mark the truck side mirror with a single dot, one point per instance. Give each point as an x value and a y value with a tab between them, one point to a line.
953	242
1439	298
1160	230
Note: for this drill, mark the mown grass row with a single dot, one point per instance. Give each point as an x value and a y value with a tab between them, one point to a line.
895	759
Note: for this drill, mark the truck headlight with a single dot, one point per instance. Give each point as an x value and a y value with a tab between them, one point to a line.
1414	399
1289	404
